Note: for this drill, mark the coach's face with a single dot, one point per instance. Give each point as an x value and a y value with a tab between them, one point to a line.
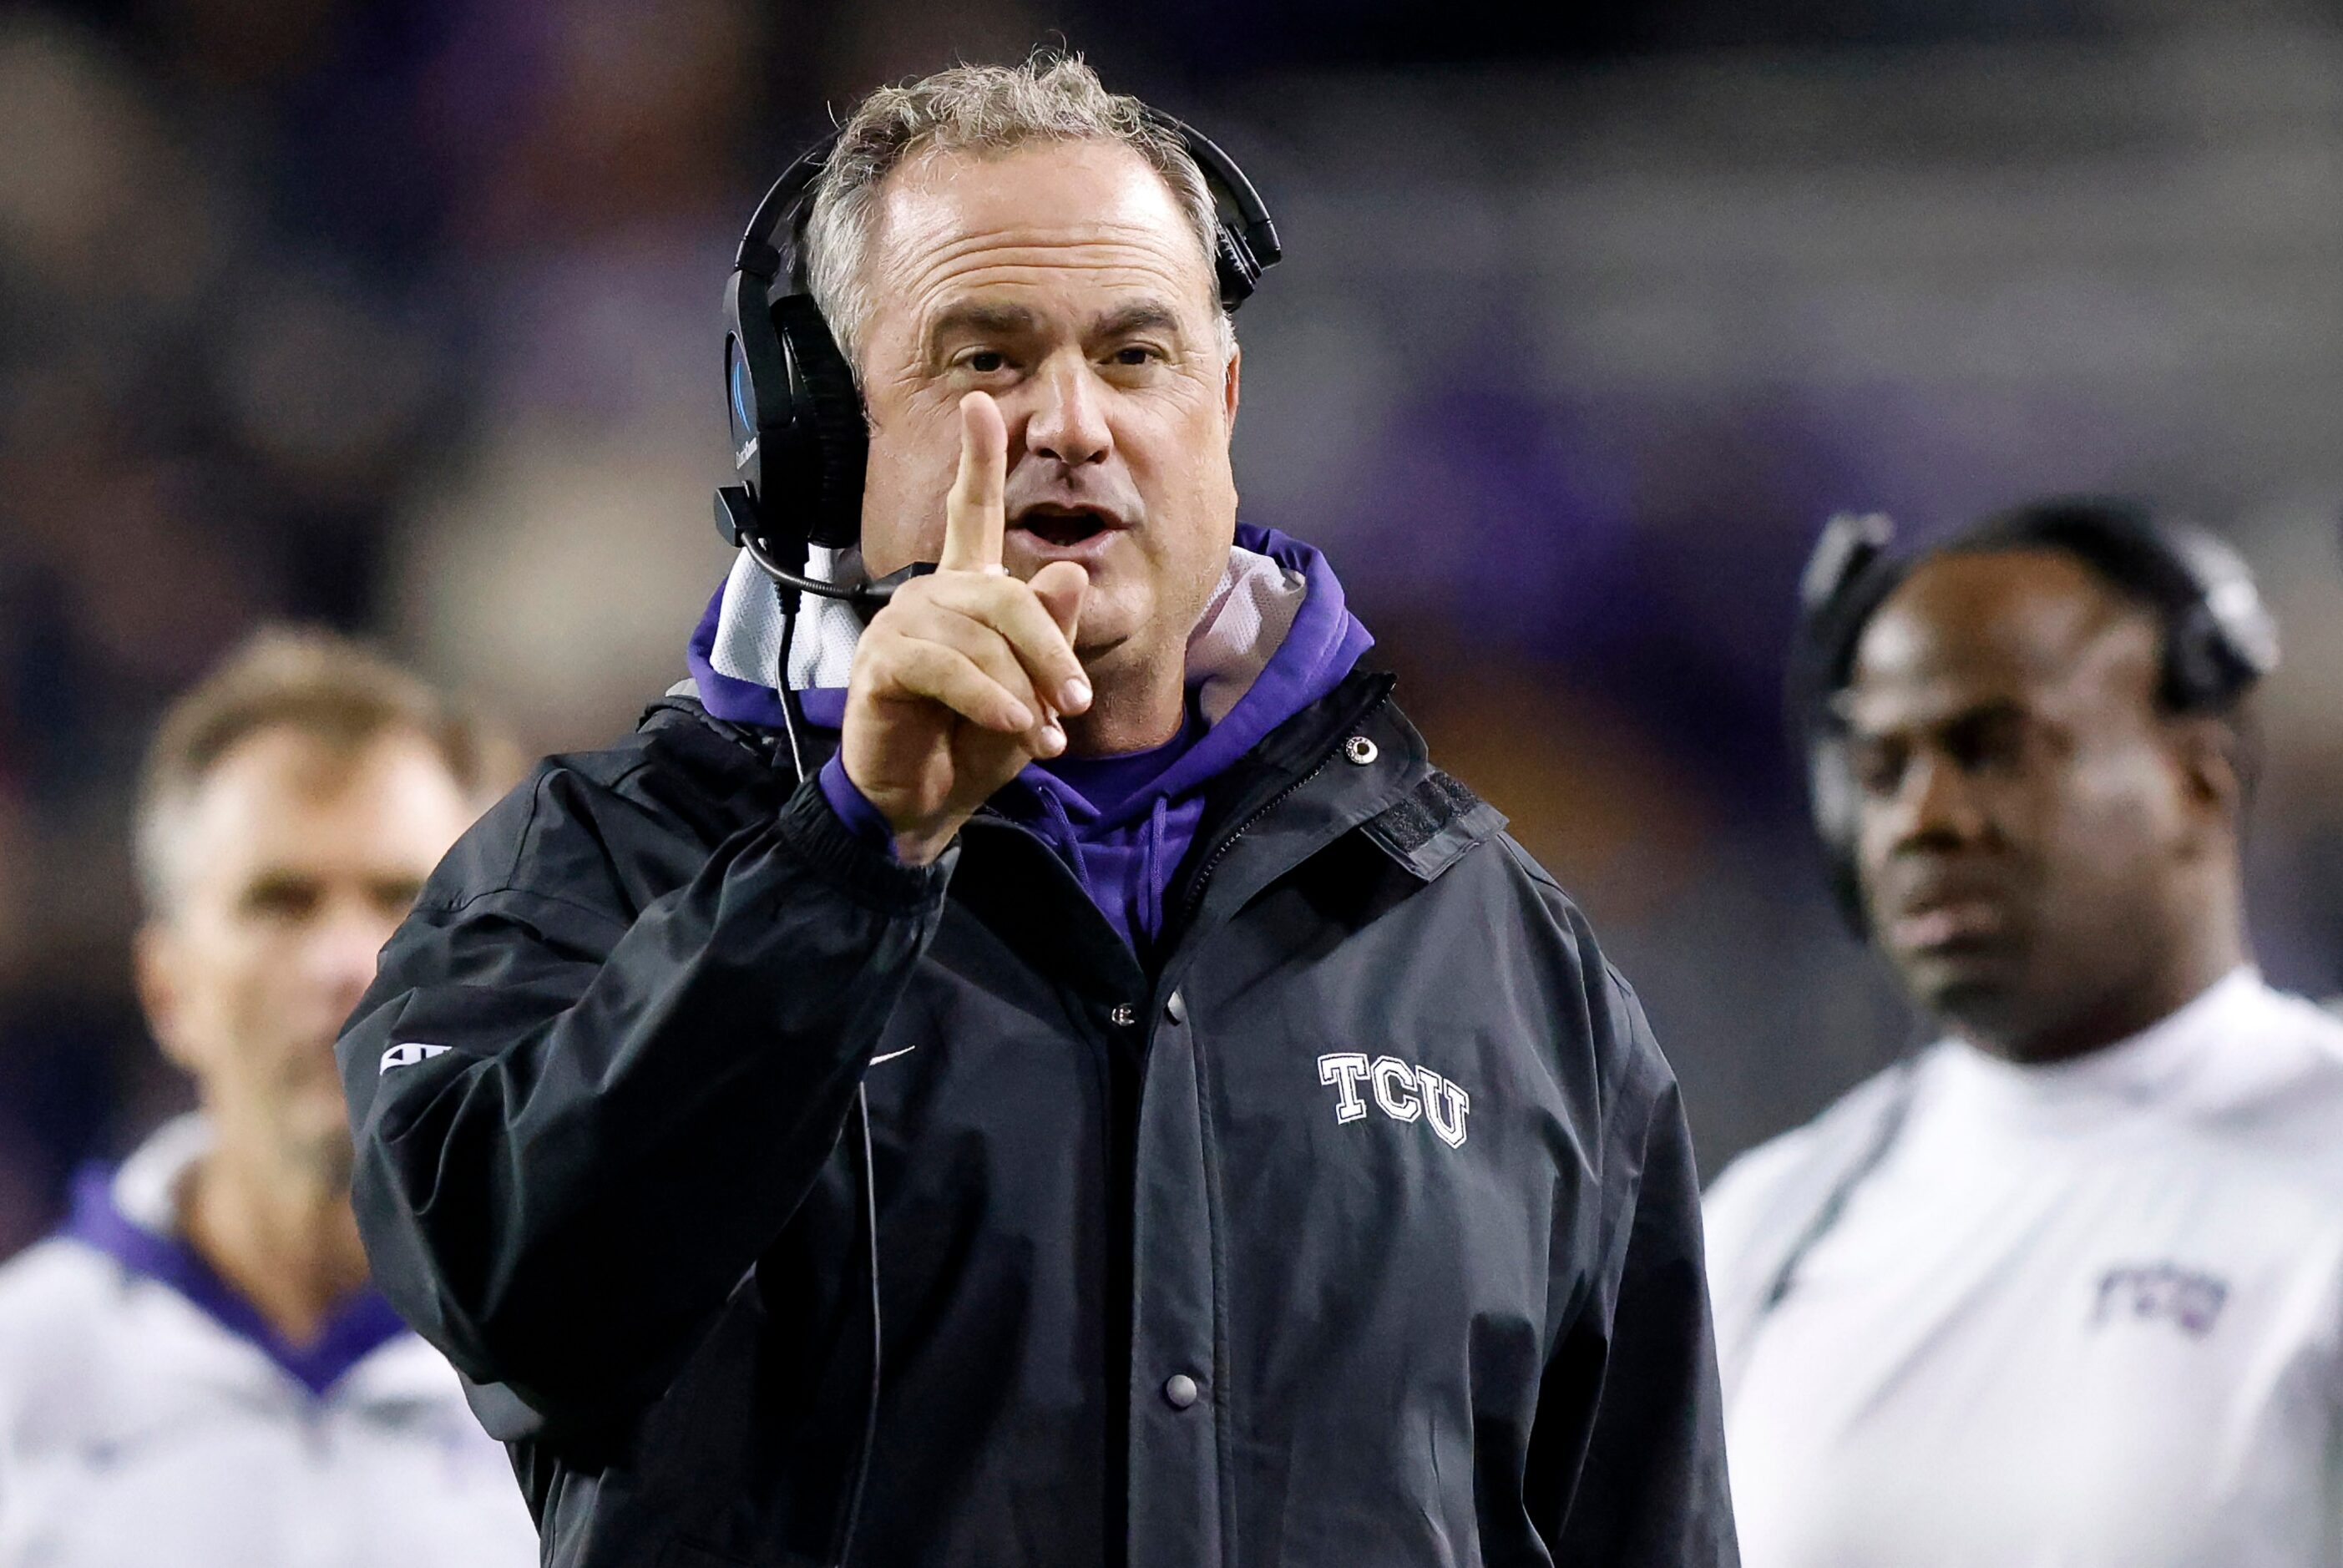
1062	279
2028	815
294	863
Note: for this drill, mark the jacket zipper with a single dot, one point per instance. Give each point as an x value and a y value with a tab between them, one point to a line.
1220	850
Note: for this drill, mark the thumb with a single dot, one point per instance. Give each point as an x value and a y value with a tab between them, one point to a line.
1061	586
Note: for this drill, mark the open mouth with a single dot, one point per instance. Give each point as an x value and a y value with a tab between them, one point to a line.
1063	525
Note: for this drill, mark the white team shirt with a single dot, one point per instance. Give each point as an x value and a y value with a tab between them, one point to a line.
148	1418
2087	1315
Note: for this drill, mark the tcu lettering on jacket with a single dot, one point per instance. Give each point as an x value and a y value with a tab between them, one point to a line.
1405	1093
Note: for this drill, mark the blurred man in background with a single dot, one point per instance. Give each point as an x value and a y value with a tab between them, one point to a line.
2068	1286
196	1373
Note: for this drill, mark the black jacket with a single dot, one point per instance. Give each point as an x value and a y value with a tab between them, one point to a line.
1357	1226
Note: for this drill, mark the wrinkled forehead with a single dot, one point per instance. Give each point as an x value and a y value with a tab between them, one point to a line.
2032	630
1093	208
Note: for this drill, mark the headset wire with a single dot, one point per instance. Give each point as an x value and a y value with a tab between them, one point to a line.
793	723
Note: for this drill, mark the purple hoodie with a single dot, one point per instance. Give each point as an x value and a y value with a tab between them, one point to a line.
1123	824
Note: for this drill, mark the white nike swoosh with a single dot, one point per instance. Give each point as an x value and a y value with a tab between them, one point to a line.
893	1054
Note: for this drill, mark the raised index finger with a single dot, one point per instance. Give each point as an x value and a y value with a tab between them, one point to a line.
974	523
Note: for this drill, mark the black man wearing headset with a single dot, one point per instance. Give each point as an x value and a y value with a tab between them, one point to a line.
2066	1286
1022	1059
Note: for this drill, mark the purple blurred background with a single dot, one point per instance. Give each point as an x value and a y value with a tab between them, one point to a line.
403	318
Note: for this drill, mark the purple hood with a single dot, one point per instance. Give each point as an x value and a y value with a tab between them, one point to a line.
1276	636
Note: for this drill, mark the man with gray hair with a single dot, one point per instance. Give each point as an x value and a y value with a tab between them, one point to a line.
195	1371
1042	1070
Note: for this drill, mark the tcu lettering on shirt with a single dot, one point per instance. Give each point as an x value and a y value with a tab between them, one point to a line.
1404	1093
2189	1299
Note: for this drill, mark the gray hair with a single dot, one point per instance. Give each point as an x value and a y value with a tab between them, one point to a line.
315	682
987	110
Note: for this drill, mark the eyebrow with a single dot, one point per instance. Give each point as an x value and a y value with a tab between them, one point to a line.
1145	316
1987	710
980	317
976	316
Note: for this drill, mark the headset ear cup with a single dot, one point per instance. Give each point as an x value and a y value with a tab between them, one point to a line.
1837	823
830	438
2226	641
2196	674
1850	573
1237	273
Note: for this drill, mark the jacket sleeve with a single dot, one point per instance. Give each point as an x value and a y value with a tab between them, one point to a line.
1626	1462
577	1125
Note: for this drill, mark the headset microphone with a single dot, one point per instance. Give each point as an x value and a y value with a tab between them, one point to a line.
799	438
800	441
737	520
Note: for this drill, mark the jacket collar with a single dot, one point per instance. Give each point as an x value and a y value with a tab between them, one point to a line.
1348	762
131	1215
1276	632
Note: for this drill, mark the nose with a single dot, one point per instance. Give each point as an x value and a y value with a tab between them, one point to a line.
1067	418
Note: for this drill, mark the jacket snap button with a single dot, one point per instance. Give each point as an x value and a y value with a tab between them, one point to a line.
1176	1010
1122	1015
1359	749
1180	1390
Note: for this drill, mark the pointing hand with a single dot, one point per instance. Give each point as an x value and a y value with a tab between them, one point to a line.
959	680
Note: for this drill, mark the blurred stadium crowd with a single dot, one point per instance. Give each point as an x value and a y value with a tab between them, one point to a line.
402	317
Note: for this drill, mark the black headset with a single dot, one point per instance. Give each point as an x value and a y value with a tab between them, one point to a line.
800	440
2218	642
2219	637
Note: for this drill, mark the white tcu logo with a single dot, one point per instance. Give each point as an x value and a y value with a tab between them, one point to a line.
407	1056
1405	1093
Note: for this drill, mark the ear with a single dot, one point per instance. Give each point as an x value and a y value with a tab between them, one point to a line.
155	959
1231	381
2205	751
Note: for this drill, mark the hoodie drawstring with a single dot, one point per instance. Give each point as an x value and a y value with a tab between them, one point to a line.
1152	848
1071	840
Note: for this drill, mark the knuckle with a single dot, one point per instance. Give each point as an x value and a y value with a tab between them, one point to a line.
910	598
975	591
973	637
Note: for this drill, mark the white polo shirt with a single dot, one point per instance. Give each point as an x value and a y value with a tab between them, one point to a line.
149	1417
2087	1315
